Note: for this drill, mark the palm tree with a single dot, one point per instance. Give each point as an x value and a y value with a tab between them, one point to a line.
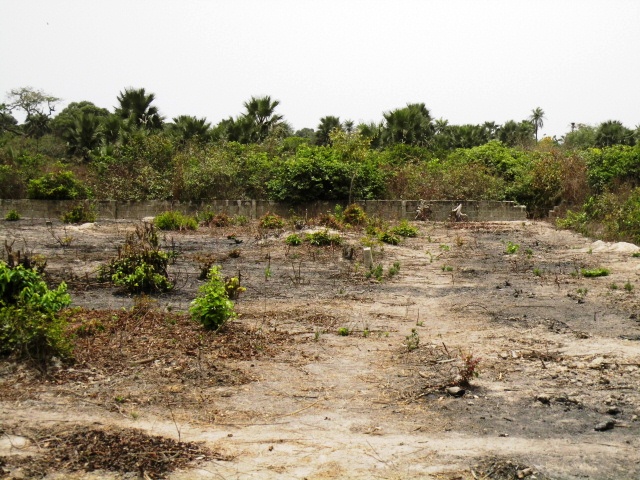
325	127
411	125
84	135
187	127
262	111
537	120
613	132
135	107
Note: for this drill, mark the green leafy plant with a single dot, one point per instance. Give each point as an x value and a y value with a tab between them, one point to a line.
412	341
323	238
212	307
404	229
31	323
444	247
389	237
344	331
354	215
537	272
447	268
628	287
293	240
613	286
233	288
375	272
80	213
511	248
140	266
595	272
240	220
12	216
61	185
394	269
271	221
174	220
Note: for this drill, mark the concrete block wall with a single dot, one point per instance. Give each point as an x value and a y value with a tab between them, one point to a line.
388	209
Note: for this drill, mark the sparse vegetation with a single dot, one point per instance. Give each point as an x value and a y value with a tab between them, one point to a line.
213	308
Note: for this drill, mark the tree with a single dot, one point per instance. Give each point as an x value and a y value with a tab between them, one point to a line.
135	108
372	131
514	134
537	120
84	135
411	125
66	118
613	132
187	127
325	127
261	110
581	136
8	123
32	102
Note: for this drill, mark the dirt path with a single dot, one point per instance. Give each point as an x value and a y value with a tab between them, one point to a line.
558	356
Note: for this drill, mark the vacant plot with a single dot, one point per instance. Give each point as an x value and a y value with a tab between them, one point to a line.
482	350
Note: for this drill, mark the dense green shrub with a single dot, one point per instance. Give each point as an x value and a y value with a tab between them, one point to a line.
140	266
30	321
404	229
174	220
12	216
611	166
80	213
323	238
271	221
213	308
293	240
61	185
354	215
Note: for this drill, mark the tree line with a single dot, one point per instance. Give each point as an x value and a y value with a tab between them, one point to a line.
134	153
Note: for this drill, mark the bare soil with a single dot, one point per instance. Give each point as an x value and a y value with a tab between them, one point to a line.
329	374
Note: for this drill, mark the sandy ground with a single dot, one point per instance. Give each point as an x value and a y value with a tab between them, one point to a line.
282	394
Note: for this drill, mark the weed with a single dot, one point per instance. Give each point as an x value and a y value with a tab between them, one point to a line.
412	340
354	215
628	286
376	272
366	332
271	221
233	287
405	230
537	272
81	213
447	268
511	248
330	221
445	248
636	255
316	336
595	272
219	220
323	238
469	368
213	308
393	270
293	240
240	220
344	331
234	253
528	252
389	237
205	262
12	216
174	220
459	241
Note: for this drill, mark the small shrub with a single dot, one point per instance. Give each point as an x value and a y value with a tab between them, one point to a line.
271	221
389	237
173	220
330	221
140	266
213	308
61	185
81	213
469	368
595	272
31	324
240	220
537	272
344	331
511	248
233	288
404	229
216	220
293	240
354	215
628	287
412	340
12	216
394	270
376	272
323	238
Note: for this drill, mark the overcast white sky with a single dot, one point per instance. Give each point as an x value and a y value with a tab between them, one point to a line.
469	61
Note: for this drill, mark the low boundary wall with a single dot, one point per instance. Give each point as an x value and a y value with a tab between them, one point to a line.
482	210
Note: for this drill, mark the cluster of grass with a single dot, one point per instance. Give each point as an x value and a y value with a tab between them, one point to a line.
174	220
12	216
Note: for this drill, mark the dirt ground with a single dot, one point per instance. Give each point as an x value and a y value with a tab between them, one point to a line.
329	374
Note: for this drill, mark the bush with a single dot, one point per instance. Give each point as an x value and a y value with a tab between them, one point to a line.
271	221
404	229
81	213
61	185
323	238
293	240
212	308
173	220
389	237
354	215
140	267
30	320
12	216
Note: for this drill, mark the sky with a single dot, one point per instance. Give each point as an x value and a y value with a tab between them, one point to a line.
468	61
